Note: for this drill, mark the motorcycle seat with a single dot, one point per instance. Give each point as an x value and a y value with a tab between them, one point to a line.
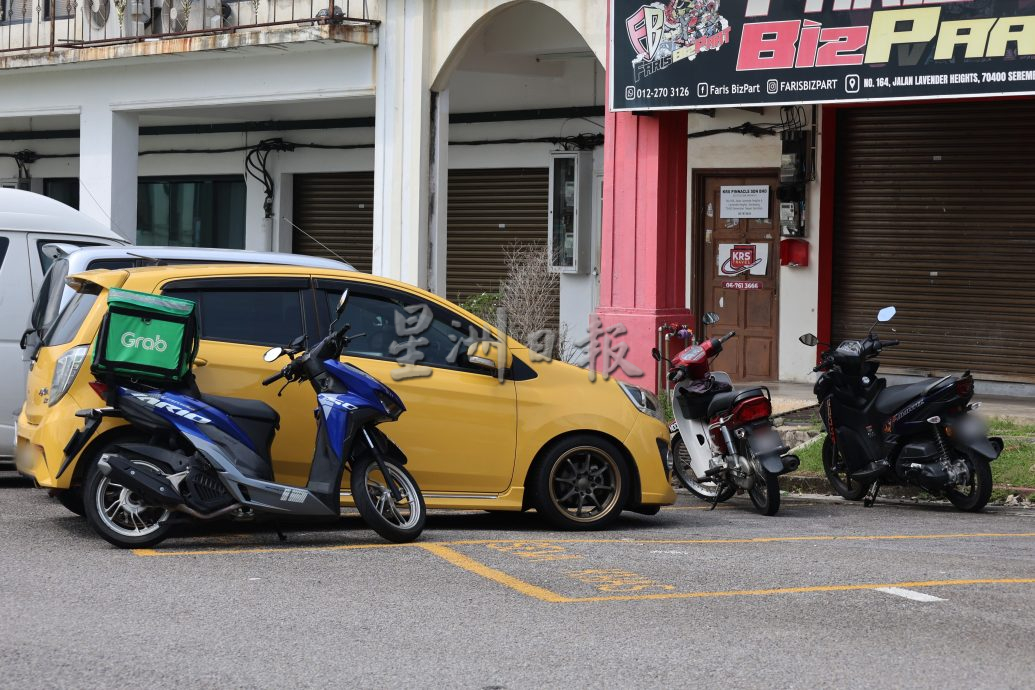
894	398
240	407
725	401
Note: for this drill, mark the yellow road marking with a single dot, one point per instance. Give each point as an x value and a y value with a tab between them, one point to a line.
630	542
798	590
461	561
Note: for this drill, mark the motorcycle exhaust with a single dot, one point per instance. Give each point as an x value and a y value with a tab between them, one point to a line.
153	488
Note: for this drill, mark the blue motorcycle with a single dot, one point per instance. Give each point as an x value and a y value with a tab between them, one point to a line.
209	456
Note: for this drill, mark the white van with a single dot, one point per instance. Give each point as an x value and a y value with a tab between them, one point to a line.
34	230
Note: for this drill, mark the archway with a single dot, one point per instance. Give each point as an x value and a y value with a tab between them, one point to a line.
521	85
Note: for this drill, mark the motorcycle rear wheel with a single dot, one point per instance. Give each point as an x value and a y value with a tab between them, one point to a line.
685	474
119	516
833	467
397	521
979	487
765	493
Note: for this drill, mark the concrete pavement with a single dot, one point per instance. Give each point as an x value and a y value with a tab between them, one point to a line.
825	594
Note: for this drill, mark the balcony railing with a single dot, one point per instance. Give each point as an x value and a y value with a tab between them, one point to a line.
49	25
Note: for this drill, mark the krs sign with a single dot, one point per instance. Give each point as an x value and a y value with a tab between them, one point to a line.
706	53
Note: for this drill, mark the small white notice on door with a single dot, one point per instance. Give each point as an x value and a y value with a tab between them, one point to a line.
744	201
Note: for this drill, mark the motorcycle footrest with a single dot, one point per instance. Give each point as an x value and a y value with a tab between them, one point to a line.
871	471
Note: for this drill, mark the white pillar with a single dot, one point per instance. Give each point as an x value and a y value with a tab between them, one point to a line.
284	207
108	149
438	198
401	141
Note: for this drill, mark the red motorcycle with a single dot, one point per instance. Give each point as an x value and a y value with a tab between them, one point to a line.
723	441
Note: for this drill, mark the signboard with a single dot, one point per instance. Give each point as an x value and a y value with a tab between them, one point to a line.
728	53
742	285
743	259
744	201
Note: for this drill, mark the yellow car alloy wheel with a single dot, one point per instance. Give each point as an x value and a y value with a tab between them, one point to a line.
586	485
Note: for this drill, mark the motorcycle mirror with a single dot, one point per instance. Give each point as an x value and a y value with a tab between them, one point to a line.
273	353
886	314
809	339
710	318
655	354
342	301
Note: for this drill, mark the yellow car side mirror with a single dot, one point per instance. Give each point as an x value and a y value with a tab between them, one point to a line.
490	355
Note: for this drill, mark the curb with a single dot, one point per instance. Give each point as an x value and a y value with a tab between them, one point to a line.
807	484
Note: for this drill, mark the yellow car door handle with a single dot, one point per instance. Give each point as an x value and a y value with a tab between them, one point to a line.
200	361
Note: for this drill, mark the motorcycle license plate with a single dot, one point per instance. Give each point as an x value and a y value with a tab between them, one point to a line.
673	427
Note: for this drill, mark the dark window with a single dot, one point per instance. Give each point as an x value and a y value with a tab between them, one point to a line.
70	320
111	264
48	302
251	317
3	249
46	261
191	212
63	189
63	9
372	311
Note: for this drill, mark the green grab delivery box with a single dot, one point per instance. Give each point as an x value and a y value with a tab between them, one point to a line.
145	336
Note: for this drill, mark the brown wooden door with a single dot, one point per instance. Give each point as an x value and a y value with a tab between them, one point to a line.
739	270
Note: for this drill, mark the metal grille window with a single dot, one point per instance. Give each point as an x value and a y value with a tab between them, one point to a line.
15	11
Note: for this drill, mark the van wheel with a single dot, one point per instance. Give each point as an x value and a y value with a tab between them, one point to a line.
72	499
582	483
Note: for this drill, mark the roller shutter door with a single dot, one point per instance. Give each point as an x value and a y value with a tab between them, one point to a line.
338	210
489	210
935	213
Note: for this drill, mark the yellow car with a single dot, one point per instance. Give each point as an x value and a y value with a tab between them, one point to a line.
540	435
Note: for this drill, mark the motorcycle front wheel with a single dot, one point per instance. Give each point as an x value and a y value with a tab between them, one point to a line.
397	521
685	474
837	474
765	493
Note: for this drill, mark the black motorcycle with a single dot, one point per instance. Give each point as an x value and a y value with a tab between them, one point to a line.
918	434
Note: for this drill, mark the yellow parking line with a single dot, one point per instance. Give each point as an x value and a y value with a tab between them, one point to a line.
461	561
798	590
630	542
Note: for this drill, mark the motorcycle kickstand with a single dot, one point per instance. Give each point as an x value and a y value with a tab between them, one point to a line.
280	532
715	499
871	495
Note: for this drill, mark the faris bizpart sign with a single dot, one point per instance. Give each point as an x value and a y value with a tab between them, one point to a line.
715	53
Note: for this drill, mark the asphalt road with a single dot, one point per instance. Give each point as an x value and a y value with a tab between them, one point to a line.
685	598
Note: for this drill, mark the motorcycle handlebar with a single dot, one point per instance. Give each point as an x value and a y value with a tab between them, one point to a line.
727	336
676	375
889	343
271	379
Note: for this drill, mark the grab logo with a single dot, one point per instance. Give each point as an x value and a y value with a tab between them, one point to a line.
130	339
